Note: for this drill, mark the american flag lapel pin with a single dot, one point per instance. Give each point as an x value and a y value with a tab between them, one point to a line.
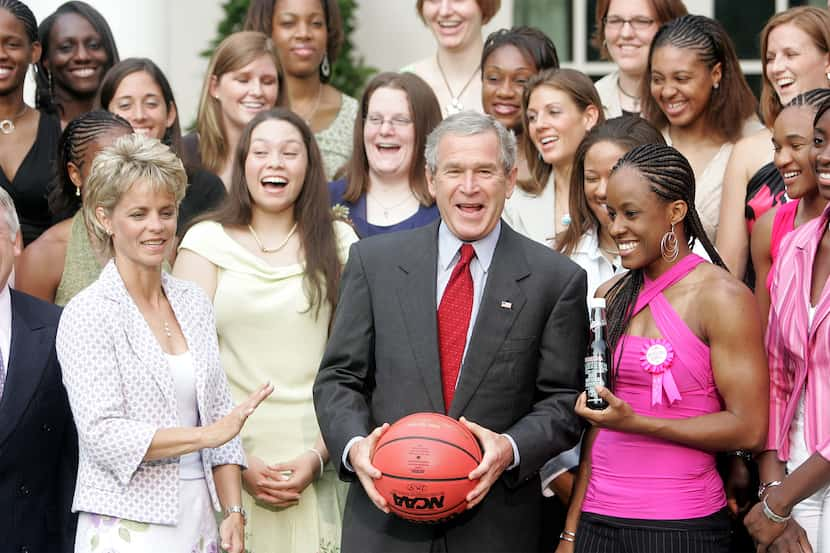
506	304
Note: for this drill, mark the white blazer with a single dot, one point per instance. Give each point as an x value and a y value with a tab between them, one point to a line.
121	392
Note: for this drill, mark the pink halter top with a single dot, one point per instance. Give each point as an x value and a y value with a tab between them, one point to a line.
636	476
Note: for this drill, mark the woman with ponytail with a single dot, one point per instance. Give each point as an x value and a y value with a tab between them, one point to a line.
688	370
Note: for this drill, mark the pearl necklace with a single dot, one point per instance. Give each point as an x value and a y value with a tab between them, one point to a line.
263	249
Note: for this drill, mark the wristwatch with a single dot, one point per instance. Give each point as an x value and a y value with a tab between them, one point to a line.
231	509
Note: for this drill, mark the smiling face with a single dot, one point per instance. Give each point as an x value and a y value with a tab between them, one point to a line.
454	23
76	58
639	218
247	91
627	46
556	125
469	184
140	101
791	138
389	133
142	225
599	160
299	33
16	52
820	154
794	64
681	84
275	167
504	74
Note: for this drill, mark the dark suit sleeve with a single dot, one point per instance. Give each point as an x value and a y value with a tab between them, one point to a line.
68	471
552	426
343	383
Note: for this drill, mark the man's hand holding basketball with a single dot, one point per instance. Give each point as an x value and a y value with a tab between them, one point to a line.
360	457
498	455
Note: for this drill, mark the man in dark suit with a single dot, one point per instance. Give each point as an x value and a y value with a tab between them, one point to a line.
464	317
38	443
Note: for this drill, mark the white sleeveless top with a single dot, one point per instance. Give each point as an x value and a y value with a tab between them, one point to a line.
184	381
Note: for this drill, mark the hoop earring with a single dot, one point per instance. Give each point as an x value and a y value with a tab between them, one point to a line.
668	246
325	68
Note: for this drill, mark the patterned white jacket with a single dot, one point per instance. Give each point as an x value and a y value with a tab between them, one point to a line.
121	391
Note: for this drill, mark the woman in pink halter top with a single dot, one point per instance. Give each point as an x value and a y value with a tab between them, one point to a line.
689	375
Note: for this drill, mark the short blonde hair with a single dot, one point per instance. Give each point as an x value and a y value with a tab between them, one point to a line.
132	158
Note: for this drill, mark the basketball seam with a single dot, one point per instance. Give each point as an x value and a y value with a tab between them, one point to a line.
393	440
424	479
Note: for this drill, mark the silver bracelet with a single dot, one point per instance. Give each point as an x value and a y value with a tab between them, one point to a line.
569	537
772	515
319	458
231	509
763	487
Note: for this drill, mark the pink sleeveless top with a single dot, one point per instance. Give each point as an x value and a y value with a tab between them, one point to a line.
636	476
783	223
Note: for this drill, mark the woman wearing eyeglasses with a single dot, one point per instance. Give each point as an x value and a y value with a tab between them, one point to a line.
624	31
385	187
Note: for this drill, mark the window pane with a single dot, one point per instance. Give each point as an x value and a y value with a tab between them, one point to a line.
591	8
553	17
744	25
816	3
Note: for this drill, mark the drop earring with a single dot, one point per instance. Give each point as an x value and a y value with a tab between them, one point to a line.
77	191
668	246
325	67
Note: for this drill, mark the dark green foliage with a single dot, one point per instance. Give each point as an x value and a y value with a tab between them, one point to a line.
349	72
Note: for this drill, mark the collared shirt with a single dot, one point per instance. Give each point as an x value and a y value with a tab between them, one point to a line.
588	255
798	348
449	253
6	324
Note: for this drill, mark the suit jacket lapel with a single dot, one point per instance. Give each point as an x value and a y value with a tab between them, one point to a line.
493	321
28	357
140	337
416	293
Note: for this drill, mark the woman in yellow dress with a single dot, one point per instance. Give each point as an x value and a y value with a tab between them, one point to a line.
271	259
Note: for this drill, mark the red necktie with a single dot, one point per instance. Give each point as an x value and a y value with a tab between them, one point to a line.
454	320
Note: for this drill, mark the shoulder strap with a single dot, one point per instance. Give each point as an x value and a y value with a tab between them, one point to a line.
652	288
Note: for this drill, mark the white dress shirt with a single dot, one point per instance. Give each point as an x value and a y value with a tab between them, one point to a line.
6	324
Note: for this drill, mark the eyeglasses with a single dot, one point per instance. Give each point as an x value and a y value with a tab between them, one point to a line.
398	121
616	23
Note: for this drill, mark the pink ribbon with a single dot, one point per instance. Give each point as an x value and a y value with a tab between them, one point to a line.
656	358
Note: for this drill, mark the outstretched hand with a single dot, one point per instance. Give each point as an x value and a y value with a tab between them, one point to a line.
226	428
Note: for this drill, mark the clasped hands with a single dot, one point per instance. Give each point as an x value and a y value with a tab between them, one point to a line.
775	537
498	455
280	484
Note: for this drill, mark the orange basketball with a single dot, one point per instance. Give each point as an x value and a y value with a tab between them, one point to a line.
424	460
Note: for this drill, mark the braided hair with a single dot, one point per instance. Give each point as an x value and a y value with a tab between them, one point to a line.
812	98
44	94
22	13
671	177
74	142
729	105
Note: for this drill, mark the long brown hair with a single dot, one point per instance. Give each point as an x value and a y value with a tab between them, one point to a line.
426	114
626	132
815	22
579	87
664	10
729	105
315	223
232	54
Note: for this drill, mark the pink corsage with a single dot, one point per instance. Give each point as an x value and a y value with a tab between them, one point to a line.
656	358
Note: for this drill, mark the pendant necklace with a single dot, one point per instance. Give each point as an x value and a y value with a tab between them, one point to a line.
7	125
387	208
263	249
634	99
313	111
455	105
